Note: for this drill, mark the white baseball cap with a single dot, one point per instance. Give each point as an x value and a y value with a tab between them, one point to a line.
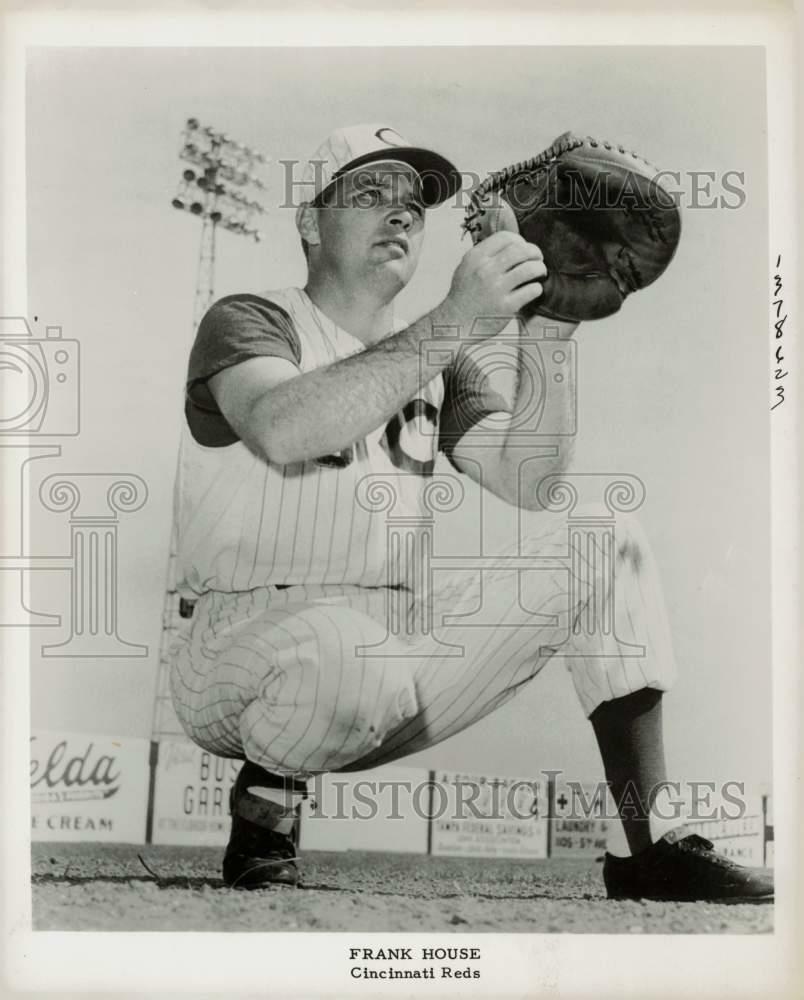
349	148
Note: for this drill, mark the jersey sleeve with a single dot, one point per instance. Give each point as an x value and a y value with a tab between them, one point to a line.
469	396
235	329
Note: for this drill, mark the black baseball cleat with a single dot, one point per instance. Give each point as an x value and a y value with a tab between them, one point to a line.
262	845
683	867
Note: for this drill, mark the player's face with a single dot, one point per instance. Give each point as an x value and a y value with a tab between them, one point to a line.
373	225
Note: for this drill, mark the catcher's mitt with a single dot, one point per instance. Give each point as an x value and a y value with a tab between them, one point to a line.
605	226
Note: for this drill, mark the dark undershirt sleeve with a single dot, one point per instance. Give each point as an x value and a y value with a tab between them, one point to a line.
468	398
235	329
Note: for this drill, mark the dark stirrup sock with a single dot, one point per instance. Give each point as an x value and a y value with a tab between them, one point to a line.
629	735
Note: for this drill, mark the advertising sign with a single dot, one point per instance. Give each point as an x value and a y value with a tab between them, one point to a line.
379	810
86	787
741	839
488	817
579	826
767	801
191	797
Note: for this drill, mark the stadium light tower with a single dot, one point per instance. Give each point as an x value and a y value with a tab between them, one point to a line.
221	187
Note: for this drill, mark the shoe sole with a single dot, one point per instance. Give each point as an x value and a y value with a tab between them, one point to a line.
267	884
263	886
728	900
259	877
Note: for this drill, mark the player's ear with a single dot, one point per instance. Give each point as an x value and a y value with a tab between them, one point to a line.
307	224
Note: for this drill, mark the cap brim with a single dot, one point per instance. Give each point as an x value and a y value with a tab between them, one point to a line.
440	178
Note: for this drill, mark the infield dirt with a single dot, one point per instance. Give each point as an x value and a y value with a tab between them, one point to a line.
97	887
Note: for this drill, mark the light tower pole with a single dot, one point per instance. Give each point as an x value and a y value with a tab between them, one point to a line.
220	184
205	279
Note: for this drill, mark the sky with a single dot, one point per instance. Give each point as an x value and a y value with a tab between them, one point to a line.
673	389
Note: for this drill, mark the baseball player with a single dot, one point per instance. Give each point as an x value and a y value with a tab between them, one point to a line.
301	401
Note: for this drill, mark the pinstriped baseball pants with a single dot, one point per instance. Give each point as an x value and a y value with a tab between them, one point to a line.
309	679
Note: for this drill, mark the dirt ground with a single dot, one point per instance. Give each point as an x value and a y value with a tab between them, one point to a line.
105	887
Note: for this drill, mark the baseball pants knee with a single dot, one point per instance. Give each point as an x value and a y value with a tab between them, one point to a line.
312	679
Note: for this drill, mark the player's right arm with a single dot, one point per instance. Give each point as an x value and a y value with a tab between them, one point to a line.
285	416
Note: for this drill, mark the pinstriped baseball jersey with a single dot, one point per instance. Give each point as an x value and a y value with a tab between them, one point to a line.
312	677
245	522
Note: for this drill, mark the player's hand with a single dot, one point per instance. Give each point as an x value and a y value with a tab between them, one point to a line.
495	279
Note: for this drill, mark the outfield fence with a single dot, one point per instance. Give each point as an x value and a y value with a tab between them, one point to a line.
97	788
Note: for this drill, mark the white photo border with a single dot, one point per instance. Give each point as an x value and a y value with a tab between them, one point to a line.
523	965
